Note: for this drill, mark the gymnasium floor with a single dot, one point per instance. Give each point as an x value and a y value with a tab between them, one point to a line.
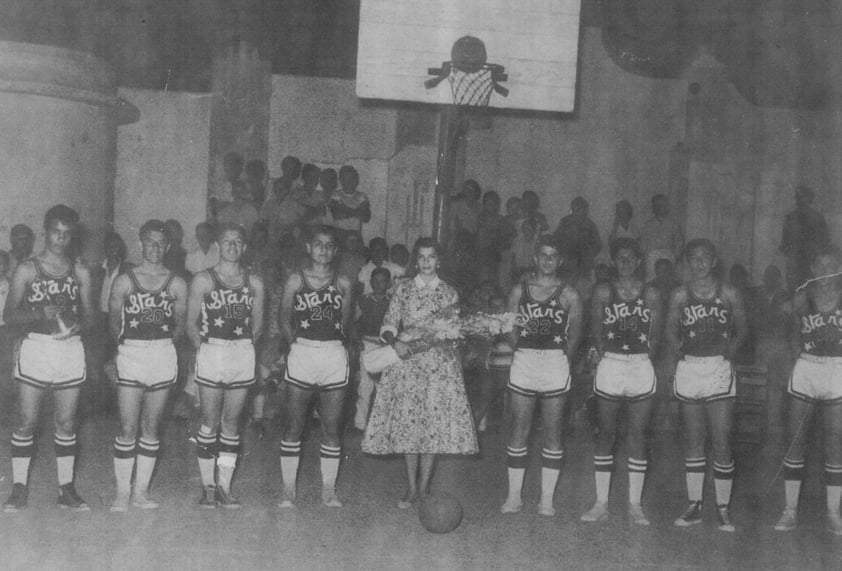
371	533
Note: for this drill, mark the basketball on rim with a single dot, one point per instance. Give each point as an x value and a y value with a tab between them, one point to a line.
468	54
440	513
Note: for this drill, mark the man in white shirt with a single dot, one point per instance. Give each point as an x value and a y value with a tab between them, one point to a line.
661	236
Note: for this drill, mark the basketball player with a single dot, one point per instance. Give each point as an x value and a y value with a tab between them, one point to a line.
50	298
314	317
815	380
550	328
625	330
706	325
146	313
224	320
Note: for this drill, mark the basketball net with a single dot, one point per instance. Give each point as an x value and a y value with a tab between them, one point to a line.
471	89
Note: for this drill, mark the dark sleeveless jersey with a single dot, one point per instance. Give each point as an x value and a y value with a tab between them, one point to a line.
546	321
317	313
705	325
148	314
226	311
626	325
47	289
821	332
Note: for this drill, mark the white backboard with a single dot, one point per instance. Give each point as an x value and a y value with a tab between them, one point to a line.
536	41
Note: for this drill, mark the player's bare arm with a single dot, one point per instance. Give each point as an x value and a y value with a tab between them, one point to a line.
512	303
13	313
179	292
292	285
86	299
733	296
201	285
348	301
120	288
572	302
800	306
652	299
678	298
601	298
257	306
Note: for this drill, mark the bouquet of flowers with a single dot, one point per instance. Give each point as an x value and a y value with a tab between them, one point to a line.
442	327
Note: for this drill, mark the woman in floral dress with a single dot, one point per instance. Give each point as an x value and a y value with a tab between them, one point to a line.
421	408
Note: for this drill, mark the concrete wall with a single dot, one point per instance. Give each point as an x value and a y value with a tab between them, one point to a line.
162	163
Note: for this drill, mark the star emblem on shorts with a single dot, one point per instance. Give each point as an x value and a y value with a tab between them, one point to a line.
238	331
553	303
305	324
557	339
692	334
218	322
133	323
165	327
642	337
625	347
611	335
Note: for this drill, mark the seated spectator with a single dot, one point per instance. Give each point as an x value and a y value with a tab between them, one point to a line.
378	251
349	207
661	236
206	254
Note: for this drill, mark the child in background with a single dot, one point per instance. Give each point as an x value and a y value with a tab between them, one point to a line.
399	256
371	308
498	363
350	207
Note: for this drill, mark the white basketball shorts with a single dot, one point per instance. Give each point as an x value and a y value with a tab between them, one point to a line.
702	379
150	365
225	364
45	362
539	373
816	379
317	364
628	377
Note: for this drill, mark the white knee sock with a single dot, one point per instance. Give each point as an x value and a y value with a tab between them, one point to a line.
147	455
637	476
290	457
124	460
329	464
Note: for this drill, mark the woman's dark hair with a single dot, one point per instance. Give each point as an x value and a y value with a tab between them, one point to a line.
423	242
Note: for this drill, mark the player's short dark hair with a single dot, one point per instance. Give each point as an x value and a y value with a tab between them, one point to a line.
153	225
312	231
61	213
291	162
381	271
697	243
549	241
231	227
308	169
625	244
348	169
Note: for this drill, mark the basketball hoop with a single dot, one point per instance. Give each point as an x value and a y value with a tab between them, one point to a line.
471	79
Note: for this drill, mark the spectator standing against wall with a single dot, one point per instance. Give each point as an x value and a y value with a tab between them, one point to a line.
805	233
623	226
349	206
660	237
241	211
578	237
22	239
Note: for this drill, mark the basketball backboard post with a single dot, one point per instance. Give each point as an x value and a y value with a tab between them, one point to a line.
451	134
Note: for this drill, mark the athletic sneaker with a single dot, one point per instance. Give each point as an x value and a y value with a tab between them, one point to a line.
636	515
692	515
599	512
208	499
224	499
834	524
68	499
142	501
788	521
17	499
724	515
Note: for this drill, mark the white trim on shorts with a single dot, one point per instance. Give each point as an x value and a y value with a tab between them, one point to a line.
137	345
561	385
32	375
802	379
231	385
716	392
625	365
303	344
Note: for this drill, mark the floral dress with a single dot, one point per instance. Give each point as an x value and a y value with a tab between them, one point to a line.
420	406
